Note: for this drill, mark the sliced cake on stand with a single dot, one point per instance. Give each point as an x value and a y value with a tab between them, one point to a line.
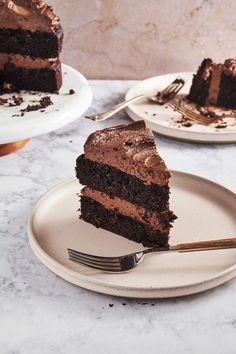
30	44
127	184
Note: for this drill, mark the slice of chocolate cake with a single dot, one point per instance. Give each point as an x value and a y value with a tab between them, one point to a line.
214	84
127	184
30	44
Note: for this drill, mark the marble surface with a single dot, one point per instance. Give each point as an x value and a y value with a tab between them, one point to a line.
108	39
41	313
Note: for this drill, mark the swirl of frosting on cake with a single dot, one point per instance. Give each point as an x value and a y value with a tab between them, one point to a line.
230	67
15	14
130	148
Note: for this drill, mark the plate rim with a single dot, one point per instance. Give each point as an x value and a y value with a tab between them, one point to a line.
62	121
79	279
183	135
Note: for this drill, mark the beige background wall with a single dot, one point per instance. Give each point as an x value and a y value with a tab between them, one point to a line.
135	39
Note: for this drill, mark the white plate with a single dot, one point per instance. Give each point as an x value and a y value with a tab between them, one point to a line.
205	210
160	119
65	109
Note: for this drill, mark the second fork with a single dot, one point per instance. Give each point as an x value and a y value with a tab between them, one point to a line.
161	98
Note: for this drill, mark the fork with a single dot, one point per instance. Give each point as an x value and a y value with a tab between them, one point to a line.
196	117
127	262
161	98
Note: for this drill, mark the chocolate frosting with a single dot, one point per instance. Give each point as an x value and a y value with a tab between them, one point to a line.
29	15
230	67
130	148
214	87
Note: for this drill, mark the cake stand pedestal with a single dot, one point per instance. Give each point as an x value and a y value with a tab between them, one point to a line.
6	149
73	99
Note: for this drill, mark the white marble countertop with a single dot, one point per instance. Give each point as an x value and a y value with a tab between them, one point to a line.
41	313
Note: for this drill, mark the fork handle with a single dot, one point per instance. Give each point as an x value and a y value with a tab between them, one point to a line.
115	109
195	246
205	245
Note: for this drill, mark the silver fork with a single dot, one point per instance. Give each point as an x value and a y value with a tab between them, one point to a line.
121	264
195	117
161	98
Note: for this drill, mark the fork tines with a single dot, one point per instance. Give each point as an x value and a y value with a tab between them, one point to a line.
198	118
170	91
111	264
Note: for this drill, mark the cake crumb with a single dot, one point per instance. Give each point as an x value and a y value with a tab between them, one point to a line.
221	126
187	124
111	305
71	92
43	103
18	100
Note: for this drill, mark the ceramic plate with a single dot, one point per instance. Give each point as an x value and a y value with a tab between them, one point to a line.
65	109
54	225
162	119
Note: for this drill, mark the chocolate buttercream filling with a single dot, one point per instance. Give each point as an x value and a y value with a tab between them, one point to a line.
128	209
214	88
25	61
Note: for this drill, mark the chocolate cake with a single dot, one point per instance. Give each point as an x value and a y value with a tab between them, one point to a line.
214	84
126	184
30	44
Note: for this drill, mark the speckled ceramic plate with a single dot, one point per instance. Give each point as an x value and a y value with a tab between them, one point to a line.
205	211
65	109
162	119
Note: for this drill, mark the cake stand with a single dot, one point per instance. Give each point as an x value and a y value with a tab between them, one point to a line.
17	125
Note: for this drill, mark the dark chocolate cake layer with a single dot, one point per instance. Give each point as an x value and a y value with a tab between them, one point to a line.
94	213
113	182
201	83
45	80
227	93
37	44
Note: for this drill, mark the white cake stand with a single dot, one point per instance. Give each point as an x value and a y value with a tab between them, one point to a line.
16	130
